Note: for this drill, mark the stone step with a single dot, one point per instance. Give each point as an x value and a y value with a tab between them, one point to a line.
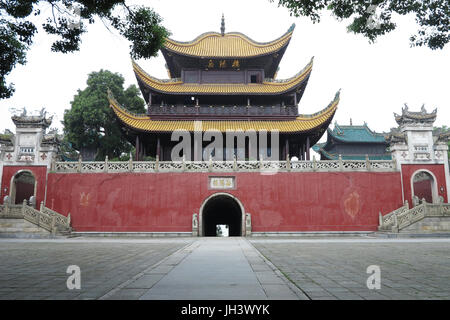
411	235
28	235
22	229
20	226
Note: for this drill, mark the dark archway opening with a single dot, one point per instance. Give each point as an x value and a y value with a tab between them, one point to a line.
23	186
222	210
423	186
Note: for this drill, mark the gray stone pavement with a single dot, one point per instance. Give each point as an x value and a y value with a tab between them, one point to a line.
225	268
336	268
211	269
36	269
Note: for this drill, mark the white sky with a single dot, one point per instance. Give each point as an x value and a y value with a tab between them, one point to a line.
376	79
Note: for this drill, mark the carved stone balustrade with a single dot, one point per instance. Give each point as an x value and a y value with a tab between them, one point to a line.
225	166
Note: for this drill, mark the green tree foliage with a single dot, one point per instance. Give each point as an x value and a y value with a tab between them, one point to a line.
374	17
67	20
90	123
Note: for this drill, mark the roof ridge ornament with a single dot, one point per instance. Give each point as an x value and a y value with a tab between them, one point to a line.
291	28
417	117
222	26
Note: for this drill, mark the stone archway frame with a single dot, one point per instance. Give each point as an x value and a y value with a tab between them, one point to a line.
434	186
218	194
12	187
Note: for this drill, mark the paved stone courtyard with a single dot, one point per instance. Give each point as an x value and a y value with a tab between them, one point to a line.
336	269
320	268
33	269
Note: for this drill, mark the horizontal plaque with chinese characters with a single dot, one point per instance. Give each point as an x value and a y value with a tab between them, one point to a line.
221	182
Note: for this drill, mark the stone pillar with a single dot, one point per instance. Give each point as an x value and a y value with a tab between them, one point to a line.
194	225
248	224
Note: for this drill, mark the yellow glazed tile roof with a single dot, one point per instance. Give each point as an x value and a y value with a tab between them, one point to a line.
229	45
176	86
301	124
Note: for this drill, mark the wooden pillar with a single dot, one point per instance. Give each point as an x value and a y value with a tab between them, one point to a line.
307	148
141	149
158	147
137	148
287	148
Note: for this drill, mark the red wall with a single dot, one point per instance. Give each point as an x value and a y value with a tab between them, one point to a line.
39	173
280	202
437	169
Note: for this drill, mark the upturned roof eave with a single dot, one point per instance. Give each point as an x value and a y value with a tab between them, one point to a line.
335	136
177	46
177	87
166	50
303	123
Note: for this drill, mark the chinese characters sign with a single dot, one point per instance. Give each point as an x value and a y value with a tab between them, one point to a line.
221	182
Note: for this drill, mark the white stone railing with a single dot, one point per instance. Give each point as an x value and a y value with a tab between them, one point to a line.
389	220
38	218
223	166
59	219
401	218
45	218
10	211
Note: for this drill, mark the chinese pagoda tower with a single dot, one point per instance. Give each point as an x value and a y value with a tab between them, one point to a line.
224	82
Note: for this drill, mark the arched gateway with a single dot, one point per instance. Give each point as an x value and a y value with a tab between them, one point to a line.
424	186
222	209
23	186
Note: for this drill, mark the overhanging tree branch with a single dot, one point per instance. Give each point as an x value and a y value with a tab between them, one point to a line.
374	18
17	29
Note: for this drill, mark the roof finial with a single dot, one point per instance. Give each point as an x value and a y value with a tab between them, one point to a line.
222	25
